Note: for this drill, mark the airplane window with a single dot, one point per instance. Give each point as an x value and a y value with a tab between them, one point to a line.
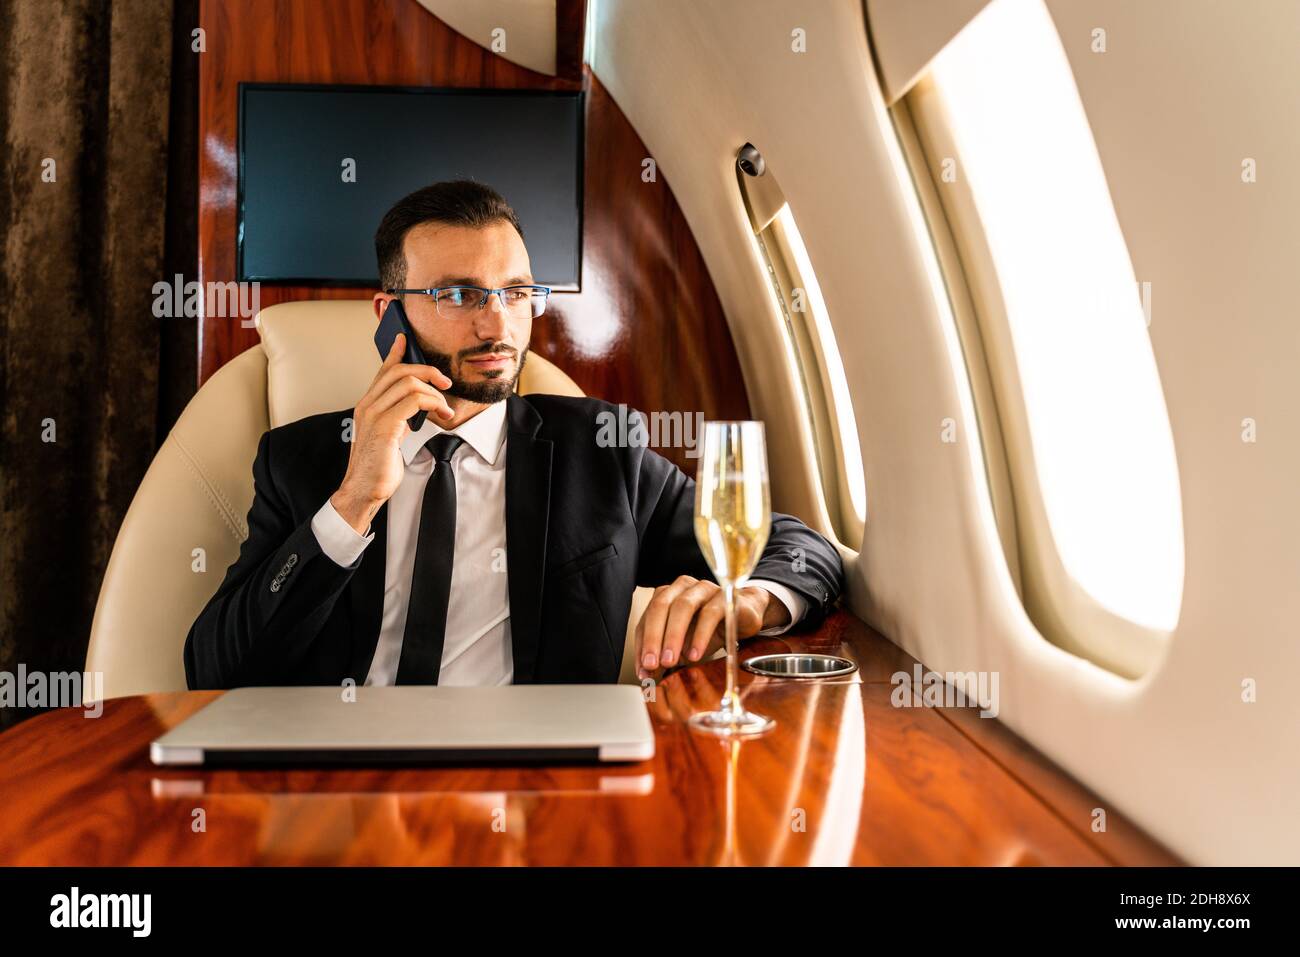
816	356
825	358
1018	175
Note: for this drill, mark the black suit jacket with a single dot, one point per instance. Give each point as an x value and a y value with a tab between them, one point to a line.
585	524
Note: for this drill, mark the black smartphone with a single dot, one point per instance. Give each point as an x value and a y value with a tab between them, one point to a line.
395	321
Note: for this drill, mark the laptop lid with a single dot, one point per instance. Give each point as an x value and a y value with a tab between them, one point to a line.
413	724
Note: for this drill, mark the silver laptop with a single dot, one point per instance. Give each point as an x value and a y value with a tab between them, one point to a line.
413	724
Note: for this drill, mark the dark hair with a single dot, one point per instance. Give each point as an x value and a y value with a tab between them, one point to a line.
459	202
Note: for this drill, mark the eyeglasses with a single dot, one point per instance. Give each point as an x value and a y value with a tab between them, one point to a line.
462	302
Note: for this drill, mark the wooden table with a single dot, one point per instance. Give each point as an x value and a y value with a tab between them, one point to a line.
846	778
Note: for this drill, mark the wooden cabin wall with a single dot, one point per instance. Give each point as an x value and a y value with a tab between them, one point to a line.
647	327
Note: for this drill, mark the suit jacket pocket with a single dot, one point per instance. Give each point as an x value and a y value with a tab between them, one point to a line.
575	565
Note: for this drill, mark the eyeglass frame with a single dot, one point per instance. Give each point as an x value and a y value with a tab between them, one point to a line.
487	294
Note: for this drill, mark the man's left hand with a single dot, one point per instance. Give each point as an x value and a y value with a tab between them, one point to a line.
684	622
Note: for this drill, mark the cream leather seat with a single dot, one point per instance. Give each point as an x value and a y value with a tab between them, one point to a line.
188	518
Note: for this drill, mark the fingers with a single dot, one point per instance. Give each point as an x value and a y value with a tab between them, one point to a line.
707	628
684	622
391	424
391	361
395	351
680	615
394	420
403	389
658	644
393	368
395	373
651	626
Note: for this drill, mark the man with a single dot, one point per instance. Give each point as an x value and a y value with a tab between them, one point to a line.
501	542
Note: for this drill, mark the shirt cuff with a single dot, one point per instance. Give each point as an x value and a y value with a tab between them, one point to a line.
337	538
795	603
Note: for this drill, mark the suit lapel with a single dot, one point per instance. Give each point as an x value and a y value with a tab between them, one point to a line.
528	506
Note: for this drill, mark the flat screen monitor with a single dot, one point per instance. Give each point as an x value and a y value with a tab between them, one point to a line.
320	165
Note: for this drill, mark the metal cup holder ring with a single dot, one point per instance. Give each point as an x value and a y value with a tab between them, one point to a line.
796	665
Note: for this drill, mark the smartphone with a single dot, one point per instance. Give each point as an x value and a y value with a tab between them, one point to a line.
395	321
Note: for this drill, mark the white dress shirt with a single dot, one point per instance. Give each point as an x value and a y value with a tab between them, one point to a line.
476	648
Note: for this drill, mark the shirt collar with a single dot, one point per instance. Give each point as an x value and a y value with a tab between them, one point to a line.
484	433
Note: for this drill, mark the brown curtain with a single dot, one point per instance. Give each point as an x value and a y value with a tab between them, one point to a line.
97	148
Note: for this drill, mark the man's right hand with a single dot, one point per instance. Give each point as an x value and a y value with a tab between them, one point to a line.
375	465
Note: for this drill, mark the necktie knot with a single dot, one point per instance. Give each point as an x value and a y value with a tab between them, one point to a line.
444	445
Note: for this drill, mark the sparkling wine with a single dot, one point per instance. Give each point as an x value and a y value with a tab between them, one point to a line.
732	521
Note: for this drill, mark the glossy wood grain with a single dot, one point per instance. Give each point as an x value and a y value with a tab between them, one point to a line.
570	33
647	328
846	778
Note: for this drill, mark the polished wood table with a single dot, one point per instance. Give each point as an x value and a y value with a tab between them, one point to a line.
845	778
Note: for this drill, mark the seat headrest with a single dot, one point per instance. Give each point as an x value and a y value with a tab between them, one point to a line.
321	356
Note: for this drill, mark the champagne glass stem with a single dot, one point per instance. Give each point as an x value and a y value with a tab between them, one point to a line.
730	699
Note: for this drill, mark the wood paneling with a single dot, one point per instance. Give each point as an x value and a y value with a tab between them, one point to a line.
864	781
570	34
647	328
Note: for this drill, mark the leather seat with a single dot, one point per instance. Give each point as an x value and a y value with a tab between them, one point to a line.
188	518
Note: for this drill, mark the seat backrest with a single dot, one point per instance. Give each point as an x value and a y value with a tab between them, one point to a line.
321	355
189	516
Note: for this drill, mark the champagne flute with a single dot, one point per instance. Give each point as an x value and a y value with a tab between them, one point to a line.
733	517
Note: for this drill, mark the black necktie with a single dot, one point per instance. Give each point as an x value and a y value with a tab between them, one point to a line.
426	611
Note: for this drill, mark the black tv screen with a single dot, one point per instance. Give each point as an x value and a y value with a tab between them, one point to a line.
301	219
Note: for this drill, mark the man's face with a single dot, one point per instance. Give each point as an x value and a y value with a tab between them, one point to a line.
484	353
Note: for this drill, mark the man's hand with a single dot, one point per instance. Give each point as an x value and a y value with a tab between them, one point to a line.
375	465
684	622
